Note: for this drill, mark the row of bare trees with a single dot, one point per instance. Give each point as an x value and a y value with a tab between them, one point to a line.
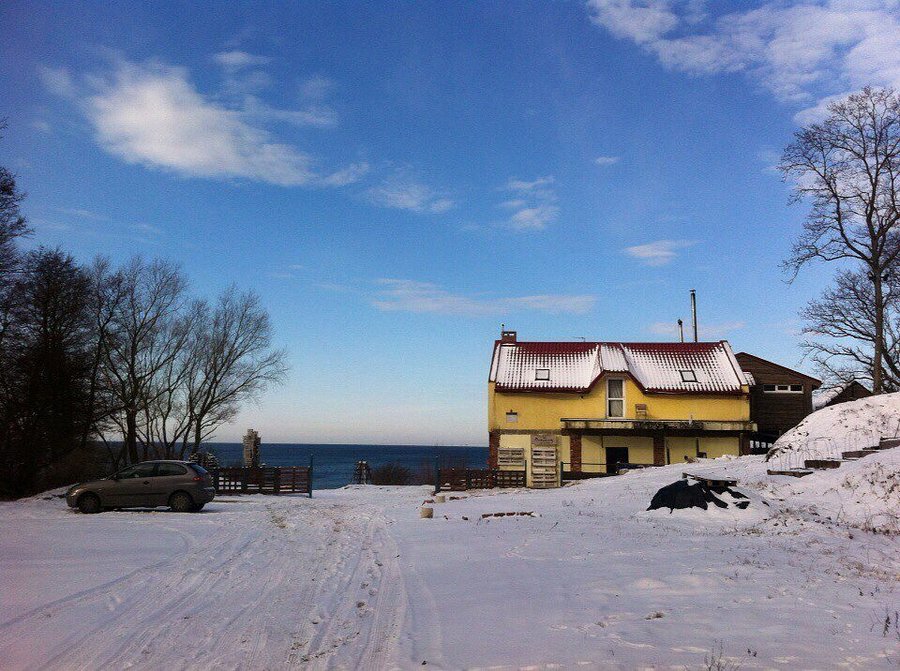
119	356
172	369
848	168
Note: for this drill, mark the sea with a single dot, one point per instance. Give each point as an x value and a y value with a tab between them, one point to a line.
334	465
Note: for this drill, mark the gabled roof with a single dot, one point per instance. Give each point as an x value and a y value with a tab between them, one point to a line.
576	366
778	366
822	397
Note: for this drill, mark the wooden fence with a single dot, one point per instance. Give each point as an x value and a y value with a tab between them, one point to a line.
461	479
263	480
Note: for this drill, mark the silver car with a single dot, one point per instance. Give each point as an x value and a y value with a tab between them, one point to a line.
181	485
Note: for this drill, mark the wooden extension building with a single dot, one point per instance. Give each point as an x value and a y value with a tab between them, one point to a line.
780	397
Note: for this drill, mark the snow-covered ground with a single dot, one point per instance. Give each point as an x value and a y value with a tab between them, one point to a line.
353	578
826	433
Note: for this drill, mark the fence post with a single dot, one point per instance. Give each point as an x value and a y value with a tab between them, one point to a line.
309	478
245	476
276	480
437	475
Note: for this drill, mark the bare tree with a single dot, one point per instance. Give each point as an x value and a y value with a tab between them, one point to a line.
845	317
232	361
145	335
848	166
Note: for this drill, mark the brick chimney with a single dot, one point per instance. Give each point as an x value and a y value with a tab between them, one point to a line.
507	336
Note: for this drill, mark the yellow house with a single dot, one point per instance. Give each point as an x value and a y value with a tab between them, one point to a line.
576	408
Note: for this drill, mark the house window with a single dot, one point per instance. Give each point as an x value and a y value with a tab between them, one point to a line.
615	398
783	388
688	376
512	417
542	374
511	456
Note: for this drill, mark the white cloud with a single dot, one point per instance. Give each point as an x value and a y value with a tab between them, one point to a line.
406	194
607	160
534	218
317	88
401	295
236	60
801	51
57	81
710	331
534	203
152	114
659	252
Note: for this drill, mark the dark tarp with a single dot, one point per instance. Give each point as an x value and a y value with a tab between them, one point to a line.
681	494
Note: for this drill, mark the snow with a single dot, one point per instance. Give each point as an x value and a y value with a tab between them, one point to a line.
575	366
353	578
845	427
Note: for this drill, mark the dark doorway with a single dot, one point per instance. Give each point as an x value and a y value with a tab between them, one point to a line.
615	456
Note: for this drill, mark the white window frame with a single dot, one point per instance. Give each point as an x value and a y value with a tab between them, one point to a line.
542	374
783	389
691	372
616	398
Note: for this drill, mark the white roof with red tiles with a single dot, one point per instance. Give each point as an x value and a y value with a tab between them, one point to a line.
705	367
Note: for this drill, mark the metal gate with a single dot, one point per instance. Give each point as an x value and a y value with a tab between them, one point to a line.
544	469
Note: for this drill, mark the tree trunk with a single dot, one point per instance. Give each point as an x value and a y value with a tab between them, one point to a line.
877	381
131	436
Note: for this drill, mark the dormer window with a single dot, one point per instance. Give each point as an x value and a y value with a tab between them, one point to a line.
688	376
542	374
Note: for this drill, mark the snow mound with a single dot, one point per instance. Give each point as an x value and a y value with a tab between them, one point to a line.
864	493
826	433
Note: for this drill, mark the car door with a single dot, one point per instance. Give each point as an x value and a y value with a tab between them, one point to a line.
169	477
137	485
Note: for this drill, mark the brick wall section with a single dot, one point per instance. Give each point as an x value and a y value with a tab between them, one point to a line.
659	451
575	452
493	448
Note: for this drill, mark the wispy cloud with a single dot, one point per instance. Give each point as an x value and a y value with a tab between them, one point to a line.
607	160
402	295
237	59
153	115
659	252
80	212
801	51
707	331
407	194
533	203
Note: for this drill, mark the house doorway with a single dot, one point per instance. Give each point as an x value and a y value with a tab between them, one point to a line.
615	456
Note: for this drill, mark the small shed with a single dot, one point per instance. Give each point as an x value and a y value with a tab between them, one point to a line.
841	393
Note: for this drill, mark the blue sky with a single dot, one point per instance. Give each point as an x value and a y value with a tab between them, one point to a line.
397	181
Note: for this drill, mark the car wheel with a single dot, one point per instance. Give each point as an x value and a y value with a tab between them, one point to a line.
89	504
197	508
181	502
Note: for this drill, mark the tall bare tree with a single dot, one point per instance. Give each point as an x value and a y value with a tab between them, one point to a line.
848	167
232	361
145	335
841	324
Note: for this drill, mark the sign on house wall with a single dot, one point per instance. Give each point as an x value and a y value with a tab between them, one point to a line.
544	440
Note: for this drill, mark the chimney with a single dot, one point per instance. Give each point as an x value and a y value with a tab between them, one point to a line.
507	336
681	330
694	311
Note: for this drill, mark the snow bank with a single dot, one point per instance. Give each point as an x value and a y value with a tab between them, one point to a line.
863	494
828	432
